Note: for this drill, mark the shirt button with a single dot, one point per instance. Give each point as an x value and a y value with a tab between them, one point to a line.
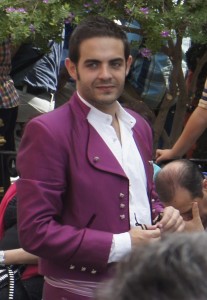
153	210
121	195
122	205
153	200
83	269
93	271
122	217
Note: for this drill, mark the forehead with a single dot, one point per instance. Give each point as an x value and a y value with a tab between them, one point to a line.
182	200
101	48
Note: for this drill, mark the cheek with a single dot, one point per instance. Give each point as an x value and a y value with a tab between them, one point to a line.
121	76
88	79
203	209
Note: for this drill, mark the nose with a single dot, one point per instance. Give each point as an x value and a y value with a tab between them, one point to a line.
104	72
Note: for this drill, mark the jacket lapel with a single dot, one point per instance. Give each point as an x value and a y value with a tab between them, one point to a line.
100	155
148	164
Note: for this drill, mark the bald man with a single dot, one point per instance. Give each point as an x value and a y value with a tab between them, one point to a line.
181	184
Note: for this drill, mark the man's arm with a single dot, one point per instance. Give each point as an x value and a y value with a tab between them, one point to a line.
195	126
19	256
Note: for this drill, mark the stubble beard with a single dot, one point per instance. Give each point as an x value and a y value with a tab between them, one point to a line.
97	101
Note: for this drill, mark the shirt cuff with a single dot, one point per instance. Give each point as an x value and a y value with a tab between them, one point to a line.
121	245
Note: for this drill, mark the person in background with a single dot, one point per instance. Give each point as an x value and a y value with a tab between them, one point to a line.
35	74
181	184
195	59
174	267
88	195
9	102
29	283
195	126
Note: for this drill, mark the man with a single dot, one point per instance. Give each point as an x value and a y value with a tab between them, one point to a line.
90	182
35	76
9	102
181	184
27	283
173	268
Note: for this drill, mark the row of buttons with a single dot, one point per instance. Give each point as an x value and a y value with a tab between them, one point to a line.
83	269
121	195
153	210
122	205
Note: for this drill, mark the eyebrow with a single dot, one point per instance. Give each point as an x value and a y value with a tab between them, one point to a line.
91	60
118	59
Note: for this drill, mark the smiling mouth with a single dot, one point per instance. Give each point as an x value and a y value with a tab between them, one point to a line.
105	89
104	86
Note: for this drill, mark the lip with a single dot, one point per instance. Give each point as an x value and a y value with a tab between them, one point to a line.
105	90
104	86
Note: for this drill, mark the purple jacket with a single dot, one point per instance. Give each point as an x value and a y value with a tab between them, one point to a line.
71	190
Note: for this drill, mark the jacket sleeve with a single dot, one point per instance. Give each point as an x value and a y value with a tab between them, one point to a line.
42	163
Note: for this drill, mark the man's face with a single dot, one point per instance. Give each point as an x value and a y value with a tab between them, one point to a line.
101	71
183	202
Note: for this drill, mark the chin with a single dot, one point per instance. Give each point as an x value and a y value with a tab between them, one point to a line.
106	100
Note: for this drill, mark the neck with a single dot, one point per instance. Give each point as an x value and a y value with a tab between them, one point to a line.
108	109
115	125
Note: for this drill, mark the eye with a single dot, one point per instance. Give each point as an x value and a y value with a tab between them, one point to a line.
92	65
116	64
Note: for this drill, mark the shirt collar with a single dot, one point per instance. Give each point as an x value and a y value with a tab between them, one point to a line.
95	114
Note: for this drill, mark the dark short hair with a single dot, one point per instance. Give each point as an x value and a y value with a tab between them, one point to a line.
173	268
96	26
186	175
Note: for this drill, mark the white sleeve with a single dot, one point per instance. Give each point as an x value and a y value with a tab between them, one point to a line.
121	245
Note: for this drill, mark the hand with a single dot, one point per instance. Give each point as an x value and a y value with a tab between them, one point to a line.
171	220
195	224
162	155
139	236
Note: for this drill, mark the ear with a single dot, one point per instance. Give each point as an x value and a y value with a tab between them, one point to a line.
205	184
128	64
71	67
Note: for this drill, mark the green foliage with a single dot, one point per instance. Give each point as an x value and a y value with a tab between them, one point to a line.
37	20
160	20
